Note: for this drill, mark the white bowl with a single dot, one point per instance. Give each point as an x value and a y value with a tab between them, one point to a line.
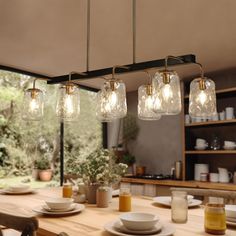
19	187
230	211
59	203
139	221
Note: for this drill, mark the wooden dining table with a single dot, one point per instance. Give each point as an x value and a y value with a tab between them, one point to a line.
92	219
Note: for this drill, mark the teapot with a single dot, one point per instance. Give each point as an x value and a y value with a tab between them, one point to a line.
224	175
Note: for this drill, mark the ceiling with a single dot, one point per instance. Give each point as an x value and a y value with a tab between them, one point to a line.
49	37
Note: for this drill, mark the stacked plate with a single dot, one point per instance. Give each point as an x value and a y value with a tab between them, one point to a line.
17	189
59	206
138	223
230	211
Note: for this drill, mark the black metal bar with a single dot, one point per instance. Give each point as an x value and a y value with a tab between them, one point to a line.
24	72
187	59
104	135
61	153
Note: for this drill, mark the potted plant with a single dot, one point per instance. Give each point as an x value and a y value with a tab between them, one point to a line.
44	169
100	168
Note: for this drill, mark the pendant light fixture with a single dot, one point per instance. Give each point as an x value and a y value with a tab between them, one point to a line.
202	97
68	100
149	102
111	99
33	104
169	86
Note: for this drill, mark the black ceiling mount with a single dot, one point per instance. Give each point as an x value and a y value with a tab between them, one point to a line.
187	59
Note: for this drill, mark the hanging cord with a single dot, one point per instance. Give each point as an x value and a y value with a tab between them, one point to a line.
113	79
69	84
172	57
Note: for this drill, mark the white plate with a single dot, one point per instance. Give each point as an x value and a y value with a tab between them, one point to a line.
166	201
167	229
40	210
119	226
72	207
200	148
7	191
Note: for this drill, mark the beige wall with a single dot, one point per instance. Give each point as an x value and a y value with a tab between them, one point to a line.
158	144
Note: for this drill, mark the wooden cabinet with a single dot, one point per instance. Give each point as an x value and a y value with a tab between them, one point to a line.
222	129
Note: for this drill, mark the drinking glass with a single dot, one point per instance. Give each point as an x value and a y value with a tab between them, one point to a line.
124	200
179	207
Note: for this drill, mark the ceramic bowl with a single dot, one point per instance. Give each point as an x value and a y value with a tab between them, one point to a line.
19	187
230	211
59	203
139	220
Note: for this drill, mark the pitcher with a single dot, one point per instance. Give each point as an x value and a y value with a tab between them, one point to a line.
224	175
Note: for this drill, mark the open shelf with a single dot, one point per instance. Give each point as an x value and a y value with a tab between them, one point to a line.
220	91
218	122
196	152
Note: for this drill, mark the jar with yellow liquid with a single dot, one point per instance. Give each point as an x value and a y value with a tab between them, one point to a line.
215	219
124	200
67	190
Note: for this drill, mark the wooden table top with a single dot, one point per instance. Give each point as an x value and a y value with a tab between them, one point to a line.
91	220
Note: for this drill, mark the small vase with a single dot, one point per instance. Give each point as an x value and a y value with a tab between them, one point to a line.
91	193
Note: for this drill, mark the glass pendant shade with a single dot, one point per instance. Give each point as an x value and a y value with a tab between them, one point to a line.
111	101
148	103
68	102
202	98
169	89
33	105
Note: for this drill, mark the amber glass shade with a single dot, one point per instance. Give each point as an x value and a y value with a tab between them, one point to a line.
33	105
202	98
68	102
170	94
111	101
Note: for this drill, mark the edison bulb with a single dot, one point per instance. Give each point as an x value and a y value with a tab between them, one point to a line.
149	102
33	105
167	92
202	97
113	99
69	105
157	104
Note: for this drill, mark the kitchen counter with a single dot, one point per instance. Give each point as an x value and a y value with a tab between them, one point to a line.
180	183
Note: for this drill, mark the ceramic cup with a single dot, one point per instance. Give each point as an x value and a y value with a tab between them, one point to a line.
187	119
201	142
215	117
229	111
229	143
214	177
222	115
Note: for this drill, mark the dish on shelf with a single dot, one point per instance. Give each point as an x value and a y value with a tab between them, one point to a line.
200	148
229	148
166	201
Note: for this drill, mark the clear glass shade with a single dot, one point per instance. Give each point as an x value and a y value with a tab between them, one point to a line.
33	105
202	100
68	102
148	103
169	89
111	101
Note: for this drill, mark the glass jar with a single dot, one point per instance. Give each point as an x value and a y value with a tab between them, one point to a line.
179	207
102	197
215	219
67	190
124	200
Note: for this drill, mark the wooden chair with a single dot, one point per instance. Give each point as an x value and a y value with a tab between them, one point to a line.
26	225
220	196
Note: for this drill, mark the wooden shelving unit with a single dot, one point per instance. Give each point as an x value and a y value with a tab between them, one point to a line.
223	129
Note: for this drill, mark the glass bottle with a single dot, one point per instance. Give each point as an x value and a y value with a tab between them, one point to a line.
179	207
215	219
124	200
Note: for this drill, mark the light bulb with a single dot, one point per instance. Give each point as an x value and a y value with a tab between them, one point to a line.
156	104
149	102
202	97
113	99
69	105
167	92
33	106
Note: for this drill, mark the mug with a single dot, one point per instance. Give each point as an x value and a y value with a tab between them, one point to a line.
187	119
222	115
229	113
198	169
214	177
